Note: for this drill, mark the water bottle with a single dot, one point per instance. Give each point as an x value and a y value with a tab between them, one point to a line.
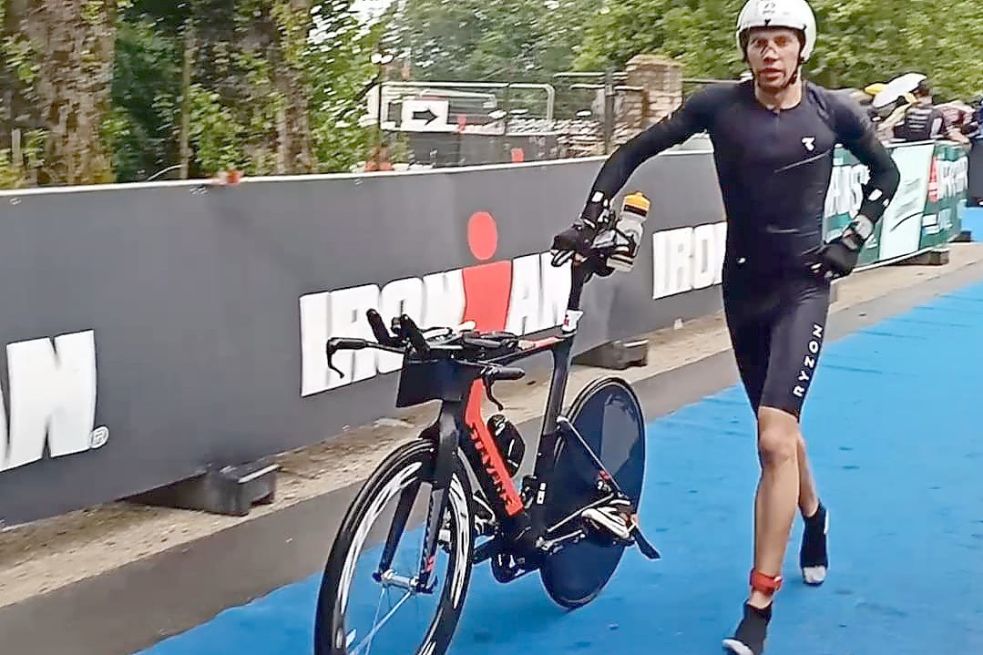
509	442
634	211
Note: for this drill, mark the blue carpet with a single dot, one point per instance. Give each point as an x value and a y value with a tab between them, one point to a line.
893	421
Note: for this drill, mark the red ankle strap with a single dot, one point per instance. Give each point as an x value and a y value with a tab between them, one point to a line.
765	584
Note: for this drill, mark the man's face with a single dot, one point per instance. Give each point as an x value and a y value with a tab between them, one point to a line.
773	55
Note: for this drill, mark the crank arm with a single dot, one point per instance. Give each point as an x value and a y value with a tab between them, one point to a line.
485	551
552	545
576	515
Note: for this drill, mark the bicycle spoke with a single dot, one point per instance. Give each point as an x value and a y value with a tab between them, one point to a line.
378	606
385	619
414	555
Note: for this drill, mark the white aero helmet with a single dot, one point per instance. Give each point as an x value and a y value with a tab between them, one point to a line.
793	14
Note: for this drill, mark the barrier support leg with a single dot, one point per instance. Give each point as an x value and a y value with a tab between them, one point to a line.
617	355
230	490
938	257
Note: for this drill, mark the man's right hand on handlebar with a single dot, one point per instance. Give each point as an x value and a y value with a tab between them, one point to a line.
594	240
579	244
578	240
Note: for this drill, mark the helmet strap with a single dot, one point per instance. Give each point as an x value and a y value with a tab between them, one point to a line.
794	77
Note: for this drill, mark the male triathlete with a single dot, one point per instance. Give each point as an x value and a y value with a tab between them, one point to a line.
773	140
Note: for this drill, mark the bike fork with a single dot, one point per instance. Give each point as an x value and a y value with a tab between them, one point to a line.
400	519
448	429
444	435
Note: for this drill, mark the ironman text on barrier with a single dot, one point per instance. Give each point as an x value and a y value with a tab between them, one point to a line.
398	572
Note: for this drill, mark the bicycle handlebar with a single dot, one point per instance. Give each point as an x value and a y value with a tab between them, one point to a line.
406	336
414	335
348	344
379	329
478	342
491	372
505	373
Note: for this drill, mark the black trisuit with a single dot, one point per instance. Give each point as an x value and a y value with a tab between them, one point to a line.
774	170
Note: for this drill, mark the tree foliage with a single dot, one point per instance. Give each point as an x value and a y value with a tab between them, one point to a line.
57	61
272	86
462	40
860	41
99	90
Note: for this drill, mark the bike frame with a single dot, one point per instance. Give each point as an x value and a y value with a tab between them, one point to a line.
461	427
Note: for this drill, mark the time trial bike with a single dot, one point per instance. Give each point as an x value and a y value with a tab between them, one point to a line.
450	494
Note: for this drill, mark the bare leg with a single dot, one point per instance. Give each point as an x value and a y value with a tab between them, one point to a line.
808	496
778	493
813	558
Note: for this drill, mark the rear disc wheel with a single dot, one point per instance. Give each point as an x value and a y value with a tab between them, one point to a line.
608	416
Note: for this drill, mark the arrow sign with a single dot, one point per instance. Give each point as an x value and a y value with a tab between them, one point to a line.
425	116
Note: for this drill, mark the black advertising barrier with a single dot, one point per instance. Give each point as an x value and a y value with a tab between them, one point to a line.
152	331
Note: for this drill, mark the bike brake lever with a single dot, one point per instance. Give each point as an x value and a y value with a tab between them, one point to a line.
488	392
331	350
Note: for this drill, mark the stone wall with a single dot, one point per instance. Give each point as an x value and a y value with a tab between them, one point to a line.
651	89
659	84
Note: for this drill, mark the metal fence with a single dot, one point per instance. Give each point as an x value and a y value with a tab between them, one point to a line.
446	124
475	123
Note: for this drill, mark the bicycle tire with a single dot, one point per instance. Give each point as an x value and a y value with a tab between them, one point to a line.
609	417
411	462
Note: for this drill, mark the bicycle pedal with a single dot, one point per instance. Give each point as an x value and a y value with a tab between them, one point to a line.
503	568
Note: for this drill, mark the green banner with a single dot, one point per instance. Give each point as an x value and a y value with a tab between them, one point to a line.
925	210
947	185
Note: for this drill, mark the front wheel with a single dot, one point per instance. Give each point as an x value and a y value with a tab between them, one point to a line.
608	416
362	610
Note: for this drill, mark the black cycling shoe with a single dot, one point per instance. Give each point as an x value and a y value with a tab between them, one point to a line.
813	557
749	638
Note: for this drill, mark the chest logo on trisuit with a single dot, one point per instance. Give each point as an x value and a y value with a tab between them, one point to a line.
809	142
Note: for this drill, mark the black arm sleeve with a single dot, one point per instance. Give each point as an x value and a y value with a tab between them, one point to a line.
689	119
857	135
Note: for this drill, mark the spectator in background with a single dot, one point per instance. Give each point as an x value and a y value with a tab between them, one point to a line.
923	121
977	105
379	160
961	116
892	115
